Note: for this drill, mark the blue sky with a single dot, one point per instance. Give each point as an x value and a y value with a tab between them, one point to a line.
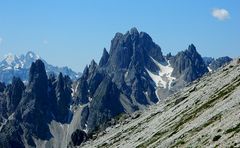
73	32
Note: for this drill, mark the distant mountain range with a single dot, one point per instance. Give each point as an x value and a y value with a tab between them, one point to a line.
54	111
18	66
214	64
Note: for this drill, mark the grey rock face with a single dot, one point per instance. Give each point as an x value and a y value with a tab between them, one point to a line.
189	65
14	93
105	104
63	96
219	62
2	87
208	60
105	56
214	64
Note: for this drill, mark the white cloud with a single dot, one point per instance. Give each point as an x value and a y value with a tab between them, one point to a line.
220	13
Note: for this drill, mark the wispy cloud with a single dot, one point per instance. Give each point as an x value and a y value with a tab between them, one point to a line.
220	13
1	40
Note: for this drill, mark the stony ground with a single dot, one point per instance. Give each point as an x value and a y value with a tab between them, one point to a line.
204	114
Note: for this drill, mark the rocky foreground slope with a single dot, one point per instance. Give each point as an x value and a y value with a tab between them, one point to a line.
205	114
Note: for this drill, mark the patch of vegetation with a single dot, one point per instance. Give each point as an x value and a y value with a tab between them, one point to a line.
115	139
197	129
179	100
197	101
206	124
168	106
151	117
192	89
179	143
235	129
103	145
205	141
132	128
116	136
136	128
153	139
121	116
212	120
217	137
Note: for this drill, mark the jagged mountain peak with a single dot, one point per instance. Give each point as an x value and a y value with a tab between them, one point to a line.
134	30
133	33
37	68
38	76
133	46
93	65
10	58
214	64
104	59
188	65
85	71
30	55
192	48
18	62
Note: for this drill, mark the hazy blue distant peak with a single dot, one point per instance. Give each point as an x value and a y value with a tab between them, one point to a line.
18	66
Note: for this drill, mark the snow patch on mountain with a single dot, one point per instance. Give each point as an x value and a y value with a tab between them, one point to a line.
10	59
209	69
163	78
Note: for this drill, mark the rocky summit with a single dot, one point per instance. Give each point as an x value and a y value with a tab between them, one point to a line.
132	77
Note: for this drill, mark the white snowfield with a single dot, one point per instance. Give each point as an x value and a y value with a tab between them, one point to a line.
204	114
10	58
163	78
16	62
